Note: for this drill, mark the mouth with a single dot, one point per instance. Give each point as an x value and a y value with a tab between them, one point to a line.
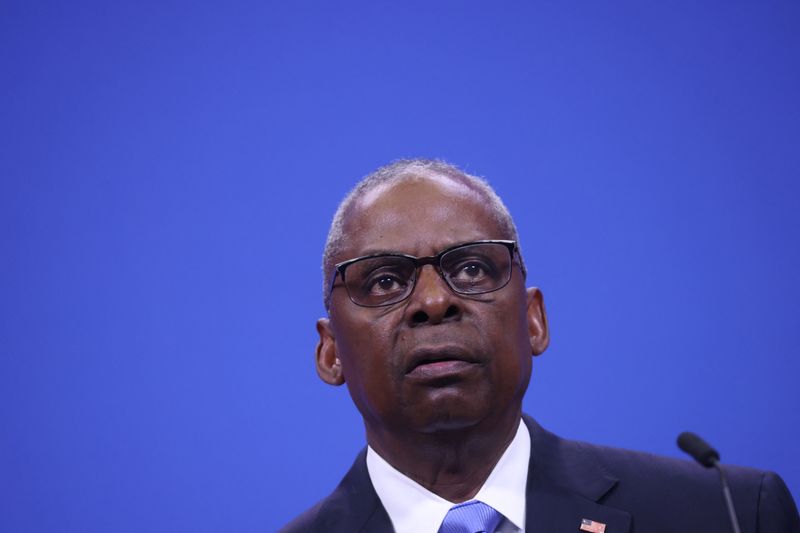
434	363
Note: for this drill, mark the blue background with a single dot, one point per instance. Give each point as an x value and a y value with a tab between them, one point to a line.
169	170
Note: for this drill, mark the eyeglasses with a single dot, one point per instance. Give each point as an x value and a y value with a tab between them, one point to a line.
384	279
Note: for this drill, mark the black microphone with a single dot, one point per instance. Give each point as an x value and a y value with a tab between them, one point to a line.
707	456
702	452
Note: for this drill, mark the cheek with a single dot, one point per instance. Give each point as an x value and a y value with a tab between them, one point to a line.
366	354
516	341
512	318
364	335
360	346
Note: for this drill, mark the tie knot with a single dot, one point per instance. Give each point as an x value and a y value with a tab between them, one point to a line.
470	517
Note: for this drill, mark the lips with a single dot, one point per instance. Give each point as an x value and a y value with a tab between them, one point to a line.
440	362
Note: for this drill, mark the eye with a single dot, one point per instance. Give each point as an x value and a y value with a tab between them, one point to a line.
381	283
384	284
471	271
379	279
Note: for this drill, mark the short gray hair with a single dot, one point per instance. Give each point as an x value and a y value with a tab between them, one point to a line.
396	172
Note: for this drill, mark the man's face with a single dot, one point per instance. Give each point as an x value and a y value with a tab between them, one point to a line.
437	360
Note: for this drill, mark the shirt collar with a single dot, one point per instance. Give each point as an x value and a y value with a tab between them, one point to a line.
413	508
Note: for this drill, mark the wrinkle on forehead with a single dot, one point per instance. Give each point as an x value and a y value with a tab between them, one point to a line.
446	184
387	214
425	213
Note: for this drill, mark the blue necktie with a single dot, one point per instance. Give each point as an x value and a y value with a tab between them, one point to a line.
470	517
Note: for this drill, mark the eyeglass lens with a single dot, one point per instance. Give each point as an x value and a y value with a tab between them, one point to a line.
387	279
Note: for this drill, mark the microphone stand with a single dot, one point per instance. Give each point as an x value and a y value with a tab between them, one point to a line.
709	458
726	491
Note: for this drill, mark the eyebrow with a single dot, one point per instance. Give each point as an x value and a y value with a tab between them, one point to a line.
382	251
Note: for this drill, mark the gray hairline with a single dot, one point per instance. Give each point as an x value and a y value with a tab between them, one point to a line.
396	172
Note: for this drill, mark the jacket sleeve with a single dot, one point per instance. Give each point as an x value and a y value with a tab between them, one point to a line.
777	512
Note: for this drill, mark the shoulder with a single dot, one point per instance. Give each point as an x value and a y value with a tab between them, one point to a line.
655	484
569	459
352	506
657	489
313	519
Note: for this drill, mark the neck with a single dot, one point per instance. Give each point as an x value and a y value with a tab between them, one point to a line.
453	464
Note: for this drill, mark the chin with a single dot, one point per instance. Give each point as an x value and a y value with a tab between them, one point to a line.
449	425
452	413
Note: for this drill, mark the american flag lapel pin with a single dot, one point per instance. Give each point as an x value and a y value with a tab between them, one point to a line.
592	526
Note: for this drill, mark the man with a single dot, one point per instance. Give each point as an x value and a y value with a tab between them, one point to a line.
432	329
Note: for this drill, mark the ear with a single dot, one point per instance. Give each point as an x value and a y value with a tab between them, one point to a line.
538	331
329	367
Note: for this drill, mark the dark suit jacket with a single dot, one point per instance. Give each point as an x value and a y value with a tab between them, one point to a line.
630	492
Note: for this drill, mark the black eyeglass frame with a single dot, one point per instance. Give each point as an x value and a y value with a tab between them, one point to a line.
435	260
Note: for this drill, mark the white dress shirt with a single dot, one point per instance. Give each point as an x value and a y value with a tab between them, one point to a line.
414	509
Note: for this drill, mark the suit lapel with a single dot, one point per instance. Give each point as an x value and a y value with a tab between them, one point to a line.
377	522
564	486
354	506
555	510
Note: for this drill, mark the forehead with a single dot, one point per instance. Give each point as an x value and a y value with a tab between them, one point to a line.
418	216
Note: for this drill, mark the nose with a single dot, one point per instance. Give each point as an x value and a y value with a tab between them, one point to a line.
432	301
